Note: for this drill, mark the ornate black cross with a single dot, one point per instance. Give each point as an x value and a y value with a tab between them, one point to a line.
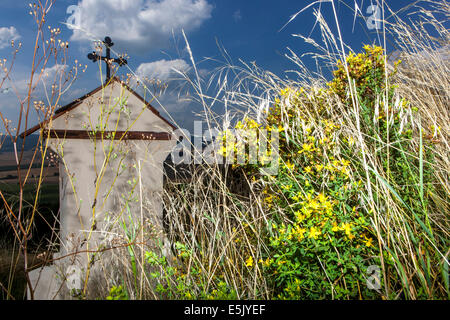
95	57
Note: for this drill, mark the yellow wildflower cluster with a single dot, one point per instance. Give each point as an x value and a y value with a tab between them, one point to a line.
249	262
266	263
288	165
346	227
314	164
245	136
314	233
315	188
368	242
359	66
247	123
316	205
269	198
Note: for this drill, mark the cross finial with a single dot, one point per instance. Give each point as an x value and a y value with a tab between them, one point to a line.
95	57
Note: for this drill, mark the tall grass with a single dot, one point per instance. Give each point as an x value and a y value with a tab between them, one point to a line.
18	210
222	238
368	161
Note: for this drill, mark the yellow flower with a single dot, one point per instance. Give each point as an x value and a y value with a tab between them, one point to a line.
335	227
307	146
306	212
300	217
249	262
344	171
289	165
299	232
328	207
314	205
322	198
369	242
285	91
319	167
323	140
266	262
314	233
347	227
308	169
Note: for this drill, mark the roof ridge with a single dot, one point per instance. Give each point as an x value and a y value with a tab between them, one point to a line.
75	103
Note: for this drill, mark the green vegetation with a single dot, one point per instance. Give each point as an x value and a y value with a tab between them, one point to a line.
47	209
359	188
358	208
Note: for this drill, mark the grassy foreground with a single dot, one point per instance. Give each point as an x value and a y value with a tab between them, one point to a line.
359	206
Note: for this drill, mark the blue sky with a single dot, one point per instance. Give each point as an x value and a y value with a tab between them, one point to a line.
149	31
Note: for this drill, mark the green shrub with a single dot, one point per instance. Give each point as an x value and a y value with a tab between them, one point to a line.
321	237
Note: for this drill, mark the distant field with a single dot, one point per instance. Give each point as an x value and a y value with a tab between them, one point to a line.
50	175
8	168
22	167
9	158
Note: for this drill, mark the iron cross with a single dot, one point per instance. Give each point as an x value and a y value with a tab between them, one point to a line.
95	57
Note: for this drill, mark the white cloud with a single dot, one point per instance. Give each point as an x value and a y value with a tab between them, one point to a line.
17	88
54	72
45	77
138	25
163	70
20	85
167	71
6	35
176	100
